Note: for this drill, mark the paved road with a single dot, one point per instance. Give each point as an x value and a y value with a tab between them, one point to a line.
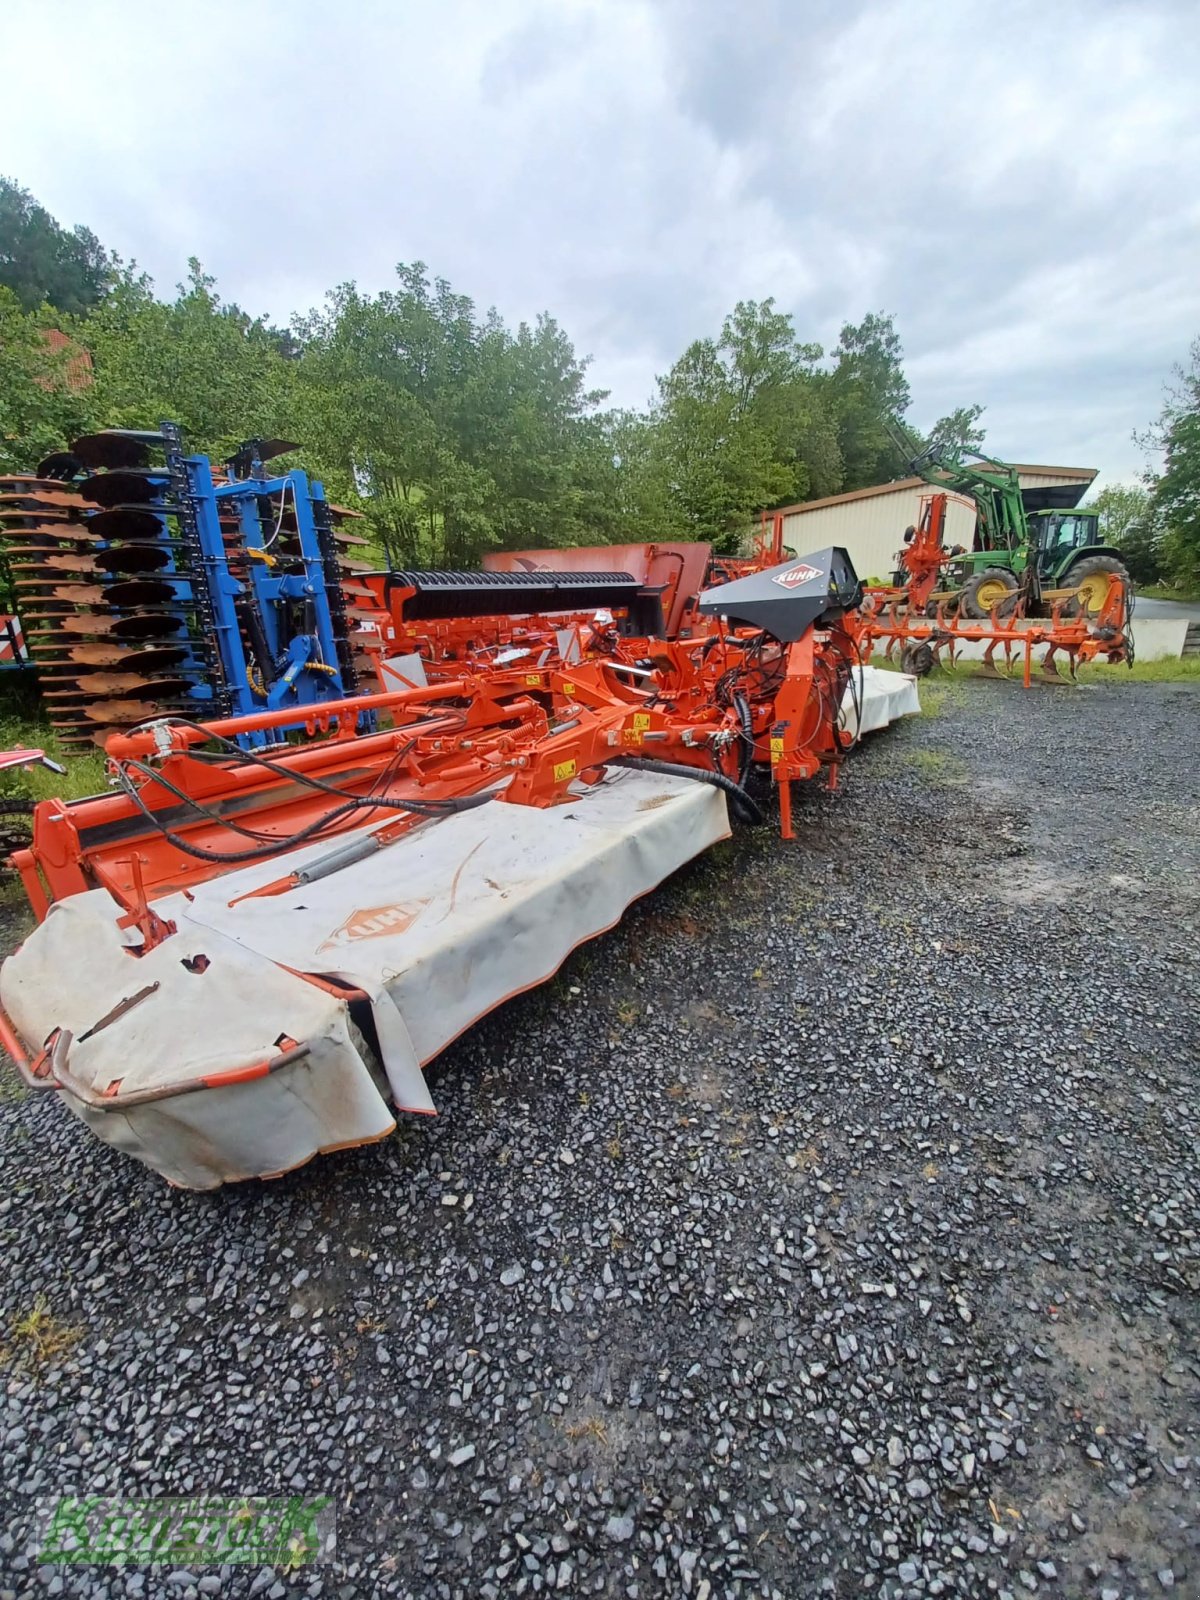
1167	609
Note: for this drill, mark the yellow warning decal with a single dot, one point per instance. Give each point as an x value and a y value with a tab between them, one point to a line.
568	688
532	679
641	720
564	770
776	749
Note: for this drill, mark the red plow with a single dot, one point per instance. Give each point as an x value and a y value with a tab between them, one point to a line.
921	628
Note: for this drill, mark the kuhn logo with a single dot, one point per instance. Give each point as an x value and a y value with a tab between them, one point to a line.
795	576
376	922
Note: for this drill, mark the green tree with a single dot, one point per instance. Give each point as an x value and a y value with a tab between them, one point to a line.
1128	520
1176	490
43	263
719	462
742	423
780	389
41	404
195	360
867	389
959	432
458	433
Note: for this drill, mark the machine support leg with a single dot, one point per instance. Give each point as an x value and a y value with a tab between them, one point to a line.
785	808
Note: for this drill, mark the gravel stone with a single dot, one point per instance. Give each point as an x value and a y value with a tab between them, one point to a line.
938	1054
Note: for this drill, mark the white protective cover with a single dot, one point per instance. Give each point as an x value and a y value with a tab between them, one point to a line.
437	929
885	696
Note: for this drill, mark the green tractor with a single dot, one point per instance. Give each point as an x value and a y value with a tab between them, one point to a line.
1038	556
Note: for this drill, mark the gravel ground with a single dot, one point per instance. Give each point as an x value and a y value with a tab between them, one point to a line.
830	1228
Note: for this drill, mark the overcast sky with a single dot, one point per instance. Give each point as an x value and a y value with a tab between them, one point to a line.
1018	183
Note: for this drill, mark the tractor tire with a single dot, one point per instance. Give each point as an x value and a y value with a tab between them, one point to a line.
1091	577
984	591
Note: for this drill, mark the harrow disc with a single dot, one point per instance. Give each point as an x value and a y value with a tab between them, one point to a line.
127	486
126	522
116	447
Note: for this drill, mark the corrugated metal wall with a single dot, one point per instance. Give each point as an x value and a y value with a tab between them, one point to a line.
872	529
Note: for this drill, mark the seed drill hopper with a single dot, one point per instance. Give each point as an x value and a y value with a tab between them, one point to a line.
247	953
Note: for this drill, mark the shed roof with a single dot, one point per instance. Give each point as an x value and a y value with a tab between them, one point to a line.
1082	476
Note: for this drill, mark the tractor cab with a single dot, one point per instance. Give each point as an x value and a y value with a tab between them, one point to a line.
1057	536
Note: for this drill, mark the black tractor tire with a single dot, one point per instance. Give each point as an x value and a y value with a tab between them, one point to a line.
1092	594
995	588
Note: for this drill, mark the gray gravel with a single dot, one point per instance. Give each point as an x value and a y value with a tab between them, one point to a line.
830	1228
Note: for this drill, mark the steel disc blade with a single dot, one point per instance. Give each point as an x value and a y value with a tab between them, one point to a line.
52	569
28	483
47	536
123	488
62	466
80	594
136	558
126	522
147	625
116	447
80	622
121	711
135	592
133	687
152	658
23	500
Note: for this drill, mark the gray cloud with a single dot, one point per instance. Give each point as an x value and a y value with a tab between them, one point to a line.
1017	184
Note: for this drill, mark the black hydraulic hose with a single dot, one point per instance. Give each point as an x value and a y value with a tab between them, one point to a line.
744	807
427	807
743	711
264	848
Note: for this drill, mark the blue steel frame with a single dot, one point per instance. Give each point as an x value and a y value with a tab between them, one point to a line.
311	672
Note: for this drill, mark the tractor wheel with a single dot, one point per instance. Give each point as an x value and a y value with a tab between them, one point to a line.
984	591
1090	576
916	659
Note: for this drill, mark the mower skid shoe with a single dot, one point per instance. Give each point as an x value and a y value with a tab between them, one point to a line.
192	1019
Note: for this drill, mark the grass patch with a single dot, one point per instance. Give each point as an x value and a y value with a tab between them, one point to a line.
936	764
944	686
38	1338
940	691
12	1090
85	775
1185	669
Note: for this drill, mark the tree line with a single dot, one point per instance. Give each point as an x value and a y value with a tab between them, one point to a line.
453	432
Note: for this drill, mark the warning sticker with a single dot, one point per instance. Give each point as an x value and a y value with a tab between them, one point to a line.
374	922
795	576
564	770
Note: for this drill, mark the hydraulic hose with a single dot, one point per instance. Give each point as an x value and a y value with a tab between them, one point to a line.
744	807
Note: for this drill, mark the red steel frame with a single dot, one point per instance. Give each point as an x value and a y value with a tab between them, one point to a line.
528	733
